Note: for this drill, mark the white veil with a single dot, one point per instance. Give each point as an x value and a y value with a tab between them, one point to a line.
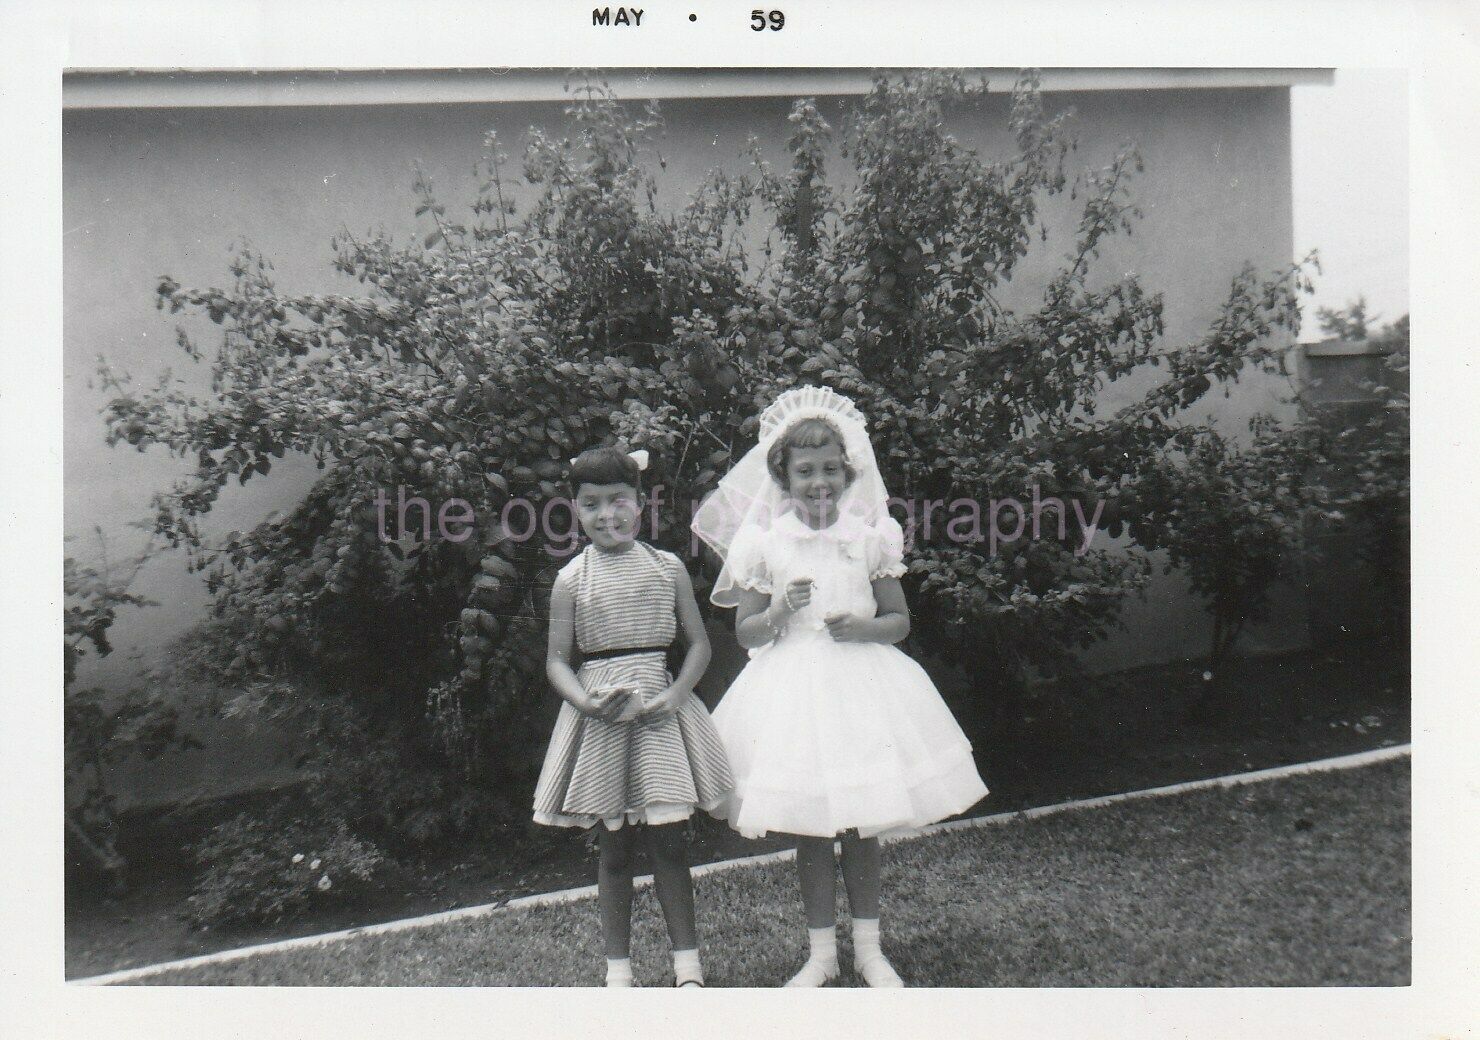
747	496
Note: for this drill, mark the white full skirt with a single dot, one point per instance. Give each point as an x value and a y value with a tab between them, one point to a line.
826	736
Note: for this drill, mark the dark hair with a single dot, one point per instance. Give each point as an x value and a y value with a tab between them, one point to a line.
808	433
606	465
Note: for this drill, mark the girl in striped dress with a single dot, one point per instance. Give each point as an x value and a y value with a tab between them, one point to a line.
632	745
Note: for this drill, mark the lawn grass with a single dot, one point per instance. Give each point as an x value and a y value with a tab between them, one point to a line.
1303	881
1119	732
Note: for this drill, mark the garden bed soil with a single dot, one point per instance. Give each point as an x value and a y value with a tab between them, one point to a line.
1115	733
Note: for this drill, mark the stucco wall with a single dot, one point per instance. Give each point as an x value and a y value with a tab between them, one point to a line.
150	192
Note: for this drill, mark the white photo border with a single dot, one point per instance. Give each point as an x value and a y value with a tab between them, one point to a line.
1436	42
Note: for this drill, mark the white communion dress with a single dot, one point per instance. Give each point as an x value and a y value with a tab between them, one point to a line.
826	736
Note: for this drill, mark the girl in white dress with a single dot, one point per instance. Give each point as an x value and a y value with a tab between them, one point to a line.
831	730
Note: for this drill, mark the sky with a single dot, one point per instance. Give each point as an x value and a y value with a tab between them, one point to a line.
1350	153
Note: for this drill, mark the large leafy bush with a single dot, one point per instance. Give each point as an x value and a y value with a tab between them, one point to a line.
471	364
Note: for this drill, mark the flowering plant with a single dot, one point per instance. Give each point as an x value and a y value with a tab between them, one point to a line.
255	871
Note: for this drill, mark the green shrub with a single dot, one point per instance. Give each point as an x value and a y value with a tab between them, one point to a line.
103	729
473	362
1234	520
1371	463
261	870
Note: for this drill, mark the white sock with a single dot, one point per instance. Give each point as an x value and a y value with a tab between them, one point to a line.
868	955
619	971
822	962
686	967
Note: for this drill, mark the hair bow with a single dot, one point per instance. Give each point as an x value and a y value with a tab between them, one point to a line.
640	456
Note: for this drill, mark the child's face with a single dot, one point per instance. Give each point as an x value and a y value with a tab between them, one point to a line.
816	479
608	513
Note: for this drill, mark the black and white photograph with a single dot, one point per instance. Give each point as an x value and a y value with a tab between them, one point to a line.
582	524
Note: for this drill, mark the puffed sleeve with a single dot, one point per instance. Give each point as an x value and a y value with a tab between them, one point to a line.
885	549
747	561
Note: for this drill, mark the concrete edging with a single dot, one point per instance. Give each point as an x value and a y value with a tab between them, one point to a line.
571	895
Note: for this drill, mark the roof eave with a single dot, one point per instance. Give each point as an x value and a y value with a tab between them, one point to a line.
269	88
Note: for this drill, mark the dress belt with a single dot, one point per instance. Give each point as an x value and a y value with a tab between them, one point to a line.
626	651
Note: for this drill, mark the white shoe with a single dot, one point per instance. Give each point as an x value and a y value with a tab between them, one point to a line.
877	971
814	973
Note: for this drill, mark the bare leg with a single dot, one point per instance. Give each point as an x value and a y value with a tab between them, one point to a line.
614	890
817	873
861	874
861	878
674	883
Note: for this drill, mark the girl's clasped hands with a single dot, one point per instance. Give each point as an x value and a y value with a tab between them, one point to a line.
842	625
622	702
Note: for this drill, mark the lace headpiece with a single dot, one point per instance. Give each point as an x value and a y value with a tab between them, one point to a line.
749	496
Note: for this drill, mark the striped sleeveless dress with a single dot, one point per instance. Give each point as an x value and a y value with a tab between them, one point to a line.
638	772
